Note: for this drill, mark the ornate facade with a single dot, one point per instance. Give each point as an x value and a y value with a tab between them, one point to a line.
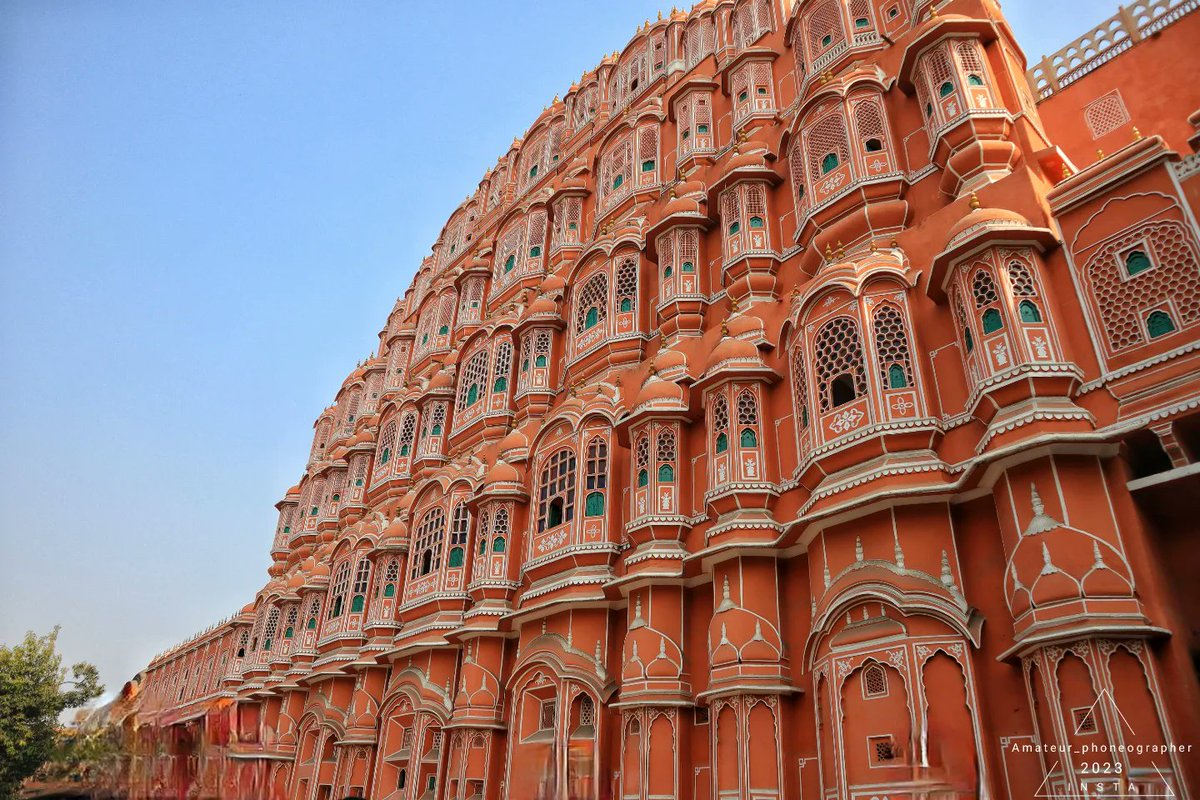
793	411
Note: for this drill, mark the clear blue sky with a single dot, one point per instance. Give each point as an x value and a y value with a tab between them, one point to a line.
206	211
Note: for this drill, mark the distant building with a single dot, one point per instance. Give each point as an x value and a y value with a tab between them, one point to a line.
802	407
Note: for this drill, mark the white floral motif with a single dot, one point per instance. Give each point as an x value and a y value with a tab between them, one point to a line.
553	541
846	420
833	182
896	657
901	405
752	467
722	473
1040	347
664	501
1000	351
878	164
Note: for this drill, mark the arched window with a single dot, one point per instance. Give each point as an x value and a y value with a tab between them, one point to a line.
314	610
502	366
1029	312
891	347
991	320
456	557
341	583
596	480
460	525
839	363
874	681
408	427
362	579
271	628
665	454
1159	323
391	577
592	306
720	423
427	547
747	411
829	162
642	460
800	385
474	373
500	530
627	282
293	616
556	501
386	442
1136	261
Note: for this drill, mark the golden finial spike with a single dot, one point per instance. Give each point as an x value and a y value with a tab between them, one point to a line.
1066	171
874	246
1137	135
841	251
1099	154
974	202
828	252
660	15
733	304
725	327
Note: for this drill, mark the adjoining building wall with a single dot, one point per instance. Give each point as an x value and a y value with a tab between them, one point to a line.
796	410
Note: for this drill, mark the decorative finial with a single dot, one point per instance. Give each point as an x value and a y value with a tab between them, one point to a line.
874	246
1099	154
1137	135
1066	171
725	327
898	552
947	576
726	600
858	548
828	252
841	251
1041	522
974	202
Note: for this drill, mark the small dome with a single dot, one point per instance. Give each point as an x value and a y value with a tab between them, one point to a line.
321	570
296	580
248	608
542	305
744	325
394	531
681	205
668	359
984	218
658	392
502	472
730	349
553	283
441	380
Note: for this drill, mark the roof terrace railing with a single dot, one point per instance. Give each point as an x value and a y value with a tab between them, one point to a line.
1130	25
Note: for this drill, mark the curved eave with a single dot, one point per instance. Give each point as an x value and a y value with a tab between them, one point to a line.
939	274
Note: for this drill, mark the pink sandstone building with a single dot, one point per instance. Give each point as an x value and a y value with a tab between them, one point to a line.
806	406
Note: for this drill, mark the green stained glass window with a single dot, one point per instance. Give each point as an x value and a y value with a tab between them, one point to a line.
1029	312
896	377
643	477
1159	323
722	443
666	474
389	590
688	267
829	163
356	604
1136	261
945	89
749	438
992	321
456	557
592	318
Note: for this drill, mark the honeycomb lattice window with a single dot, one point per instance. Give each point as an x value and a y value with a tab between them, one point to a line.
556	498
587	713
825	28
408	428
627	284
642	460
502	367
839	354
271	628
1122	299
800	385
1105	114
750	21
470	384
427	554
970	61
983	289
720	423
868	122
435	426
541	348
796	171
883	749
1021	279
665	451
824	138
535	234
592	307
341	582
701	39
875	681
891	348
387	445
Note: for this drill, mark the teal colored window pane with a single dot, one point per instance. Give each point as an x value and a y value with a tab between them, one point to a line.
701	129
593	506
1029	312
929	109
1136	261
337	608
533	171
356	605
403	450
968	339
666	474
626	304
482	545
289	632
829	163
389	590
756	222
742	96
617	181
991	321
689	266
1159	324
592	318
735	228
643	477
535	251
648	166
862	22
442	331
668	271
749	438
687	133
456	557
472	394
540	361
722	443
945	89
804	417
500	385
312	623
436	430
826	40
509	263
896	377
974	80
498	544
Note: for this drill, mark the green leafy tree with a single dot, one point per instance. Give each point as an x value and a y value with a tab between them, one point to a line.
34	691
